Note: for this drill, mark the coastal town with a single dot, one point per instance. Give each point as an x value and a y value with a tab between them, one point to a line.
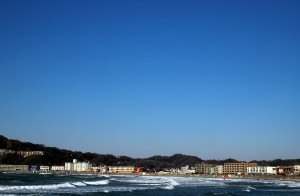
227	170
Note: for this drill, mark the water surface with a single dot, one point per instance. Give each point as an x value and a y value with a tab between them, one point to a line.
68	184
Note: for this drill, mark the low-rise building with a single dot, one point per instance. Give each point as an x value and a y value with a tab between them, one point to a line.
296	169
121	169
57	168
44	168
283	170
103	168
29	153
261	170
22	153
175	170
191	170
6	151
14	167
34	168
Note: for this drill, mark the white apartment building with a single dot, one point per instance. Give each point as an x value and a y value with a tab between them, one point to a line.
213	169
219	169
261	170
78	166
69	166
187	170
82	166
184	170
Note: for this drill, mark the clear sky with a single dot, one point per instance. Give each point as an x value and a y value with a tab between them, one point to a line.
215	79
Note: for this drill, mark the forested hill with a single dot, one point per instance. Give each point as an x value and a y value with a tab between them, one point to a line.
56	156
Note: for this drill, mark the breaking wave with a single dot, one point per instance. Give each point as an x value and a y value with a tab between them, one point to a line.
37	187
168	187
78	183
100	182
87	184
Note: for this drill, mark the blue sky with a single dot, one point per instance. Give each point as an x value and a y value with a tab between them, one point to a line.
215	79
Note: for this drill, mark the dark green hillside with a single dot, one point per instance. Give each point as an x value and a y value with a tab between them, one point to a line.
56	156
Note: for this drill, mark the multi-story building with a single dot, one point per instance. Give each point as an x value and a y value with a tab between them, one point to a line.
78	166
14	167
211	169
69	166
199	168
184	170
261	170
219	169
82	166
121	169
237	168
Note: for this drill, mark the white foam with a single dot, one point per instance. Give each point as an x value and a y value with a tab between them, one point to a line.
45	173
293	184
103	175
169	187
173	182
139	180
194	181
78	183
99	182
37	187
121	189
250	187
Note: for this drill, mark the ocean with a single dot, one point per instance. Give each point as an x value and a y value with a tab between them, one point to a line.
92	184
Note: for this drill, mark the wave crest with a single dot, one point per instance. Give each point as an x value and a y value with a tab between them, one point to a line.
37	187
100	182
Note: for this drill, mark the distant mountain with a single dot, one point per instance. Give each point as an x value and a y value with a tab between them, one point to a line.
56	156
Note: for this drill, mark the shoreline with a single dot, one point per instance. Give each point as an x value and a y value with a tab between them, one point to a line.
295	178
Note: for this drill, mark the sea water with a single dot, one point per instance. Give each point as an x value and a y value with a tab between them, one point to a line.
93	184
